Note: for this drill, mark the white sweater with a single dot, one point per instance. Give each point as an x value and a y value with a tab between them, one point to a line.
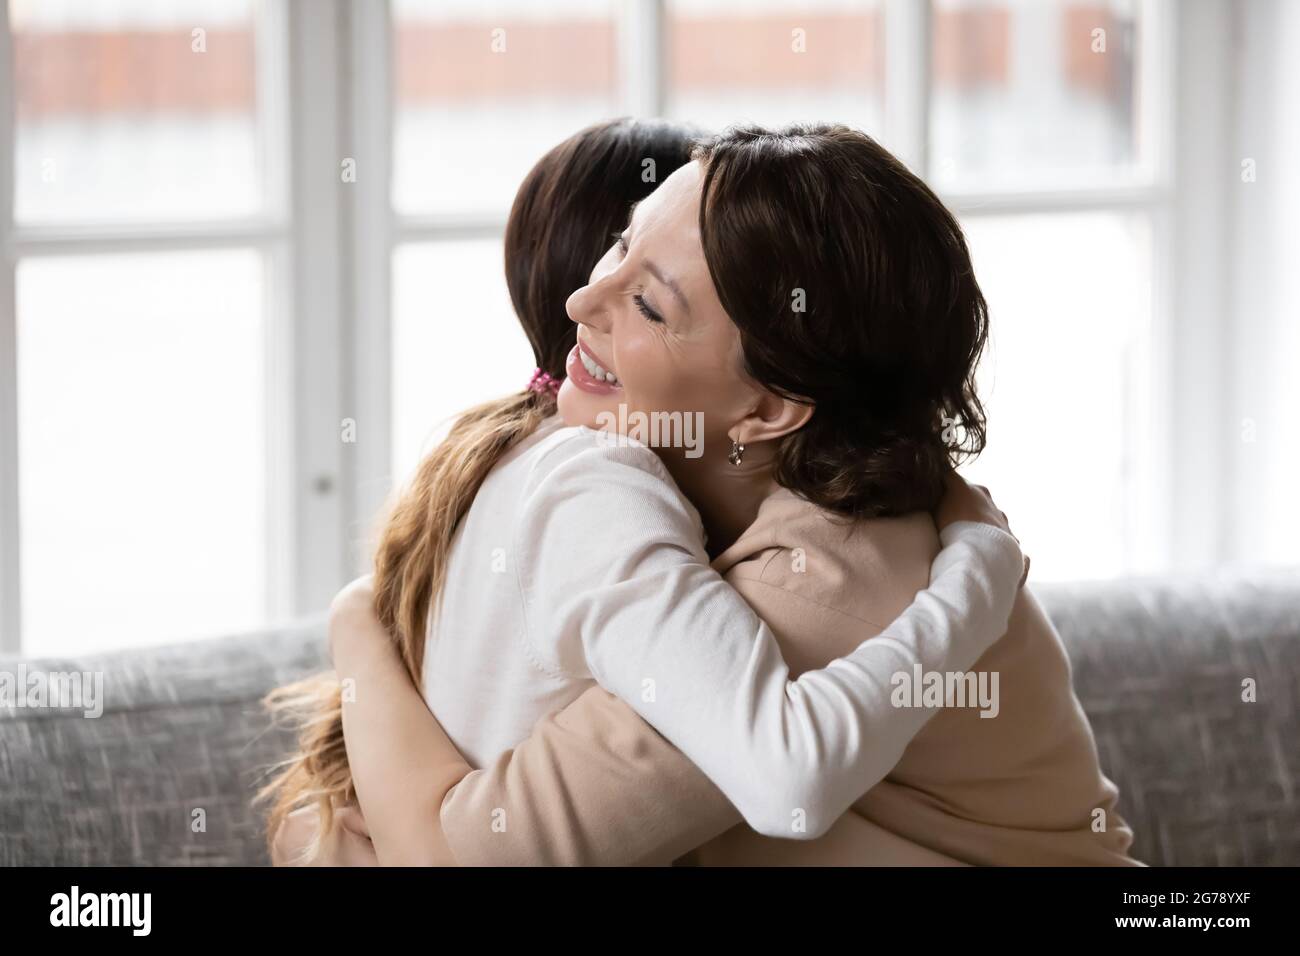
581	562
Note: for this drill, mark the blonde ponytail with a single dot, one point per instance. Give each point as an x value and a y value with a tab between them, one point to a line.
410	569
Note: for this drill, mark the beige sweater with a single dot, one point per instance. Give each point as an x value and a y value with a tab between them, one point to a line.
596	785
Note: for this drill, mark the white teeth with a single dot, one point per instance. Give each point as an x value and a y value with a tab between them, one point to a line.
596	370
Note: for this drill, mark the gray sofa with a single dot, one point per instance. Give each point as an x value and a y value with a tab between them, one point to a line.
1204	777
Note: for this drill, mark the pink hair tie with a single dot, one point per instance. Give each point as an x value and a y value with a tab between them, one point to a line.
544	382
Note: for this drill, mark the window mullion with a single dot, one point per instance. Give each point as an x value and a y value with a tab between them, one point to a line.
314	340
1118	198
907	82
1151	464
148	237
368	117
273	64
1192	327
641	57
10	574
272	88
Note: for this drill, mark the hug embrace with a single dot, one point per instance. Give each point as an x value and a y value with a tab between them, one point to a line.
585	649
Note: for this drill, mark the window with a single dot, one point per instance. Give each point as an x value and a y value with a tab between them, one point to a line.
143	221
1039	136
142	456
725	67
1073	66
455	339
504	77
1060	214
255	261
1063	384
124	115
506	81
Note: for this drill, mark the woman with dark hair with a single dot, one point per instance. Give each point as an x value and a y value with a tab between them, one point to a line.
817	301
500	590
807	269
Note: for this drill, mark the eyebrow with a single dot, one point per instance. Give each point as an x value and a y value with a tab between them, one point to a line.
658	273
672	286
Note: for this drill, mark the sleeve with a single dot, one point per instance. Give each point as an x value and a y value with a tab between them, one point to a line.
593	785
617	587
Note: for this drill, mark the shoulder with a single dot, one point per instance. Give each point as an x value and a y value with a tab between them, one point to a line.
584	485
801	562
597	467
600	523
594	449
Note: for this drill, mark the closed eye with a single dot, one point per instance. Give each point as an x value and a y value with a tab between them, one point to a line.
645	310
638	300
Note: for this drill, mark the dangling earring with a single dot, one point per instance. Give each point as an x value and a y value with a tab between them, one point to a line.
737	452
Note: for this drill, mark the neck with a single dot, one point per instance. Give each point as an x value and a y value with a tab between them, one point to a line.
727	496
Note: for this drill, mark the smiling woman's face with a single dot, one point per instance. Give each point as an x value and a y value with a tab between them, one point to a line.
650	318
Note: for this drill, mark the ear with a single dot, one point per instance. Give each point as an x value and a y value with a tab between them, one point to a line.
771	418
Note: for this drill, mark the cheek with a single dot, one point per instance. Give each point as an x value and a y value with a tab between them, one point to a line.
654	367
663	375
642	357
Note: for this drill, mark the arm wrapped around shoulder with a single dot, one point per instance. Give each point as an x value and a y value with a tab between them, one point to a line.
618	588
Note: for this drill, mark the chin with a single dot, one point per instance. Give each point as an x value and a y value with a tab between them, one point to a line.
576	407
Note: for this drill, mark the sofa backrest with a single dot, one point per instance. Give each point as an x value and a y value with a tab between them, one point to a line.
165	775
1164	669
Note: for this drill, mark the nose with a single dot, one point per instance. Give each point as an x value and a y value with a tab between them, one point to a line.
586	306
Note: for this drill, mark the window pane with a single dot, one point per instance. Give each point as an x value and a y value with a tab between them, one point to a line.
1064	386
141	456
483	89
134	111
1033	93
456	341
775	62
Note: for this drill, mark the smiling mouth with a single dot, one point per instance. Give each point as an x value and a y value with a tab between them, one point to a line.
595	369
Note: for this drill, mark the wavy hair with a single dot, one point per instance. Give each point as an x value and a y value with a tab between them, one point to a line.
852	288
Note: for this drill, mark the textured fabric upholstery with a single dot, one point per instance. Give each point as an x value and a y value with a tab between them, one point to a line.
1204	777
182	730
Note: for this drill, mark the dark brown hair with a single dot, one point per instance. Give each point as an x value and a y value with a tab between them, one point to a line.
566	212
852	287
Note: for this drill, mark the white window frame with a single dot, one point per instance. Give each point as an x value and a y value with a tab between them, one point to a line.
1149	511
300	60
1175	490
1176	509
10	582
329	267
